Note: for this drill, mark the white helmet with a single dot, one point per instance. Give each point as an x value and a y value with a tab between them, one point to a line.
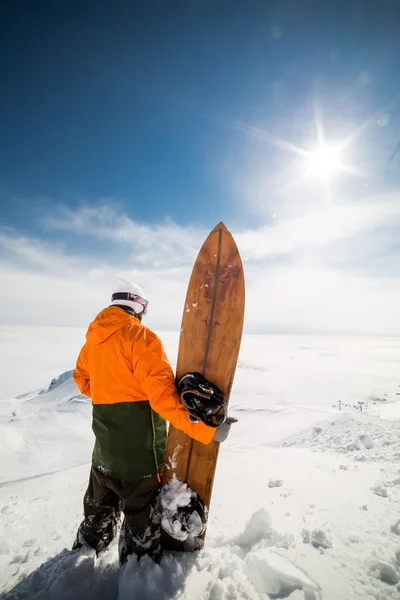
128	294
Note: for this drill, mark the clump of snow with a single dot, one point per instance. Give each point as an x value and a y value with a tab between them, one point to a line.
174	495
315	432
366	441
144	580
395	528
257	528
275	575
385	571
305	536
275	483
354	445
319	539
380	490
217	574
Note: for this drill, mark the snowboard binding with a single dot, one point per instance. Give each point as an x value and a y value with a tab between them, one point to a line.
203	400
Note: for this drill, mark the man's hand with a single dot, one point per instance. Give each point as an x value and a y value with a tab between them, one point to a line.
223	430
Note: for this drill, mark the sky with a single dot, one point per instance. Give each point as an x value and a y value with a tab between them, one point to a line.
128	130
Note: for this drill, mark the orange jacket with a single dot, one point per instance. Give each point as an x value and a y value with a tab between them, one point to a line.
124	361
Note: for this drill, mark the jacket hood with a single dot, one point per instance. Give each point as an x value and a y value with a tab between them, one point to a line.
107	322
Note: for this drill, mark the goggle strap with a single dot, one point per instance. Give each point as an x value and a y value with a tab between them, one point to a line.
131	297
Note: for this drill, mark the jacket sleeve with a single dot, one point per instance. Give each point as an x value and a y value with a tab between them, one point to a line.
81	373
155	375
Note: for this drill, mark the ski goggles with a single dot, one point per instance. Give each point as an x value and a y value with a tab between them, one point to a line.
132	298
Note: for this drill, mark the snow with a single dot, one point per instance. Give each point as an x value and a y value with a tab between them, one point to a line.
274	574
275	483
305	501
386	572
319	539
380	490
174	495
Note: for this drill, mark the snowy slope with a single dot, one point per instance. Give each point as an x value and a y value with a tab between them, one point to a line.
306	499
45	431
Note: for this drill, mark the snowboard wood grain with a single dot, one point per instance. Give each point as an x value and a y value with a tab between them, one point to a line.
210	339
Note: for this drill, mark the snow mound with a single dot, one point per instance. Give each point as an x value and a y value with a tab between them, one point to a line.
45	431
360	436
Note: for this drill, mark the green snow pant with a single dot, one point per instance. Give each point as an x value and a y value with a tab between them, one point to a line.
105	498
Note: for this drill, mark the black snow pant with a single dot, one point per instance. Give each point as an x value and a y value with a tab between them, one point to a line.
103	502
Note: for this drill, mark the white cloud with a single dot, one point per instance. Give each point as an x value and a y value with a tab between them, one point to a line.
29	251
318	272
168	243
147	245
320	228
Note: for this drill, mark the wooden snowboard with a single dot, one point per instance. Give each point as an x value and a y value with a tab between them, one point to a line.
209	343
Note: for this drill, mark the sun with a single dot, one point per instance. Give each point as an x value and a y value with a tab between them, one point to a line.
324	162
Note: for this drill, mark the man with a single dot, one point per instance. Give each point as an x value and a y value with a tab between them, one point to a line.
124	370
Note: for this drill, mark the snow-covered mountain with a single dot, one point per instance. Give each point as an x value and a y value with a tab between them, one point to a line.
305	503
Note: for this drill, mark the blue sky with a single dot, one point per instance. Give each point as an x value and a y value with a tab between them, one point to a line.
129	129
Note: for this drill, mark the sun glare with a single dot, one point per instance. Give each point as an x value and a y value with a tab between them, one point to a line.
324	162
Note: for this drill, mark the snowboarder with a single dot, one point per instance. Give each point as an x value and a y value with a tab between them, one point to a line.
124	370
